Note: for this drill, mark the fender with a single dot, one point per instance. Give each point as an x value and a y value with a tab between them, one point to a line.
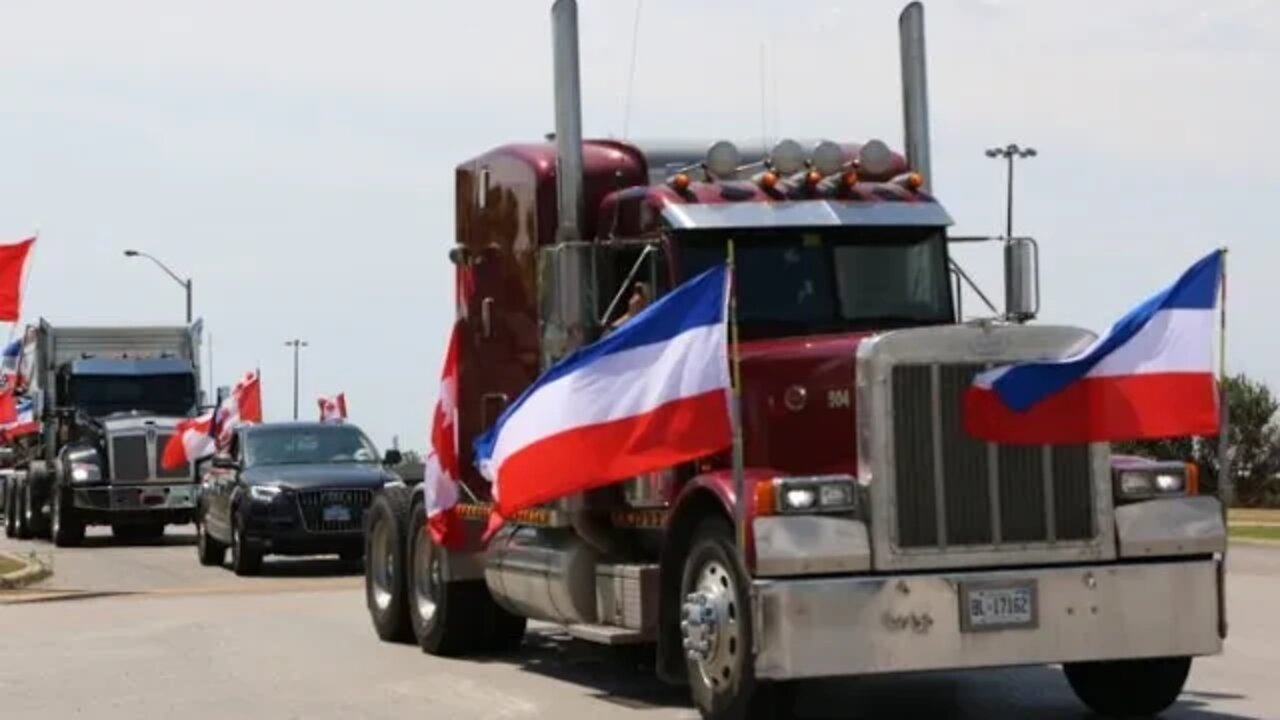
705	494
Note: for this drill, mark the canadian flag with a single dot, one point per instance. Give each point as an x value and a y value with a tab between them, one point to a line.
442	472
333	409
191	442
243	405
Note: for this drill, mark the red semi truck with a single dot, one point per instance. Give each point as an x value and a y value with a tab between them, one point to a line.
867	532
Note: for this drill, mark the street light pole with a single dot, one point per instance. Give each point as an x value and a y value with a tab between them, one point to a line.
185	283
1009	152
296	344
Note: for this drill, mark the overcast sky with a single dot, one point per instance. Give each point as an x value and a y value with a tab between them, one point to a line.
297	158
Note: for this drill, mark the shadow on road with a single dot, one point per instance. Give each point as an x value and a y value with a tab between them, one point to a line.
309	567
622	676
169	539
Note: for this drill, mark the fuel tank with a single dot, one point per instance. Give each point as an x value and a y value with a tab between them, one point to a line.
544	574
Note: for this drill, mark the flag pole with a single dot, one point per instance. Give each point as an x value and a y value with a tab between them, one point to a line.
735	411
1226	488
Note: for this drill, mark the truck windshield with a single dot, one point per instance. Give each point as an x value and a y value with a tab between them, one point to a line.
797	281
101	395
309	445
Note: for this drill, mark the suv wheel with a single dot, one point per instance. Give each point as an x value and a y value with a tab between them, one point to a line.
245	560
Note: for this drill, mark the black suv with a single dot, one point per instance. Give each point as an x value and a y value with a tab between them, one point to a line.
297	488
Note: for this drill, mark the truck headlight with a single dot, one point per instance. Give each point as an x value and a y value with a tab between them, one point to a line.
264	493
1157	480
810	494
85	473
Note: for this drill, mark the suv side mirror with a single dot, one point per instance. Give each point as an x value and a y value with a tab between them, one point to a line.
223	462
393	457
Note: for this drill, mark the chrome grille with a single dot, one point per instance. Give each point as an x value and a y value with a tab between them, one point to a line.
161	471
313	504
130	460
952	490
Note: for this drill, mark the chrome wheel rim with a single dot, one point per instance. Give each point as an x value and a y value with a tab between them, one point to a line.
56	523
710	626
426	577
382	566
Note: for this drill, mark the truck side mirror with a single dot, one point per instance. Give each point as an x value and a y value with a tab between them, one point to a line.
392	458
223	462
1021	279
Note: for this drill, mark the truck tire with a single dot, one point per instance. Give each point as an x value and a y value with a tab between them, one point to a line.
245	560
67	528
385	570
26	530
447	617
10	509
1128	688
717	632
210	552
33	505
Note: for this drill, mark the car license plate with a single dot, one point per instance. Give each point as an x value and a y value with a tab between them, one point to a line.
998	605
337	513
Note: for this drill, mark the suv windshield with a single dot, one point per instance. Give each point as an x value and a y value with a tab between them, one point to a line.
101	395
308	445
798	281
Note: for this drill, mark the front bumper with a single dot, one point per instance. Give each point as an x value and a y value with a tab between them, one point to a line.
278	528
135	498
867	625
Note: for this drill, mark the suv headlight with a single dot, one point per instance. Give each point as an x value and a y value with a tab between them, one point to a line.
1167	479
264	493
808	494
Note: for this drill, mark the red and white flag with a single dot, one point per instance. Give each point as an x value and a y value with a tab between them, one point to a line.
190	443
443	471
243	405
333	409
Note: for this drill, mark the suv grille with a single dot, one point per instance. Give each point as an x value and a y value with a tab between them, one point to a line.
989	494
315	508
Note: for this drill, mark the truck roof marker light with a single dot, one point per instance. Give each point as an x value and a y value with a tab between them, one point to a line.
912	181
812	178
849	178
875	158
723	159
828	158
787	157
768	180
680	182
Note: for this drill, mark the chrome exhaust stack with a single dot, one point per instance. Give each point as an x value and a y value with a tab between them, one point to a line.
915	91
568	89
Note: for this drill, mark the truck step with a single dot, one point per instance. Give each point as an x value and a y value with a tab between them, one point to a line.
608	634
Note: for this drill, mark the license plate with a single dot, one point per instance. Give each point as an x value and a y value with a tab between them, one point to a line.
998	606
337	513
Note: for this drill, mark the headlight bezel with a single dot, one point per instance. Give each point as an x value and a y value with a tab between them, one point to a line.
265	493
1134	483
835	494
84	473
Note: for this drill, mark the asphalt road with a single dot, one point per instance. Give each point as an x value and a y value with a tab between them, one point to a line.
142	632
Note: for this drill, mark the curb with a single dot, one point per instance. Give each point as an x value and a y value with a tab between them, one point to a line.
32	570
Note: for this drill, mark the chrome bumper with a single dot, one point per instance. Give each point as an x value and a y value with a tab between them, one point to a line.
866	625
136	497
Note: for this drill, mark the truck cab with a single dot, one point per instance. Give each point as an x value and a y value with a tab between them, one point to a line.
864	531
108	399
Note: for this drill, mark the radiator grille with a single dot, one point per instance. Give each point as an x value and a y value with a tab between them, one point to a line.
313	505
129	458
952	490
180	472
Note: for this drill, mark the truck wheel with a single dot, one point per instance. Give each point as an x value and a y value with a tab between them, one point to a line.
20	530
32	518
68	528
717	632
245	560
445	615
1128	688
10	509
211	552
385	576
